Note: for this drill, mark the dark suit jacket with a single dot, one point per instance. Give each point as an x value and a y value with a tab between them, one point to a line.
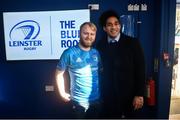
123	71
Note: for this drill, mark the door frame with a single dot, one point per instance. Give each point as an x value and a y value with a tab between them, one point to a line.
167	38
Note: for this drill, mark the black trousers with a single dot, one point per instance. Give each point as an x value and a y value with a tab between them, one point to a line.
114	111
92	112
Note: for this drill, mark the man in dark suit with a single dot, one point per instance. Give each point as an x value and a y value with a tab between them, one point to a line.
123	82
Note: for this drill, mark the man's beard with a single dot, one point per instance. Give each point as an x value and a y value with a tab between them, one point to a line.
85	44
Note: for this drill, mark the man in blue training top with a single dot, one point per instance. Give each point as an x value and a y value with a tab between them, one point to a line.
83	65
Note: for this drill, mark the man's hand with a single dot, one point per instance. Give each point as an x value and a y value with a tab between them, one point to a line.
138	102
66	97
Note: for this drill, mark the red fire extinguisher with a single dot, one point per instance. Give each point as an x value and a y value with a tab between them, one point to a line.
151	92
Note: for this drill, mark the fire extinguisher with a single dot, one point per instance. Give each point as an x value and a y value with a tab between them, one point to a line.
151	92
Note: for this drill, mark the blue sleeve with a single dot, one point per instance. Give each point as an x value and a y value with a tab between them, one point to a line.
63	62
100	62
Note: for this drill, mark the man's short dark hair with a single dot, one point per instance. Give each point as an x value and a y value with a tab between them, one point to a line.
107	14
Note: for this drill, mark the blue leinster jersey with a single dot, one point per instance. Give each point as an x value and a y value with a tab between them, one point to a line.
83	67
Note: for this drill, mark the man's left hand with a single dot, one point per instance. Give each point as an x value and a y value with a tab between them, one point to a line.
138	102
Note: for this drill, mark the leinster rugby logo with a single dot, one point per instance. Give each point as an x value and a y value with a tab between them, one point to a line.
24	34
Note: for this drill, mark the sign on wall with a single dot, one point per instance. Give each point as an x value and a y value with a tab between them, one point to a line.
41	35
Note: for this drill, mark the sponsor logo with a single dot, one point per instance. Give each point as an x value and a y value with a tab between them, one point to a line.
78	60
95	58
